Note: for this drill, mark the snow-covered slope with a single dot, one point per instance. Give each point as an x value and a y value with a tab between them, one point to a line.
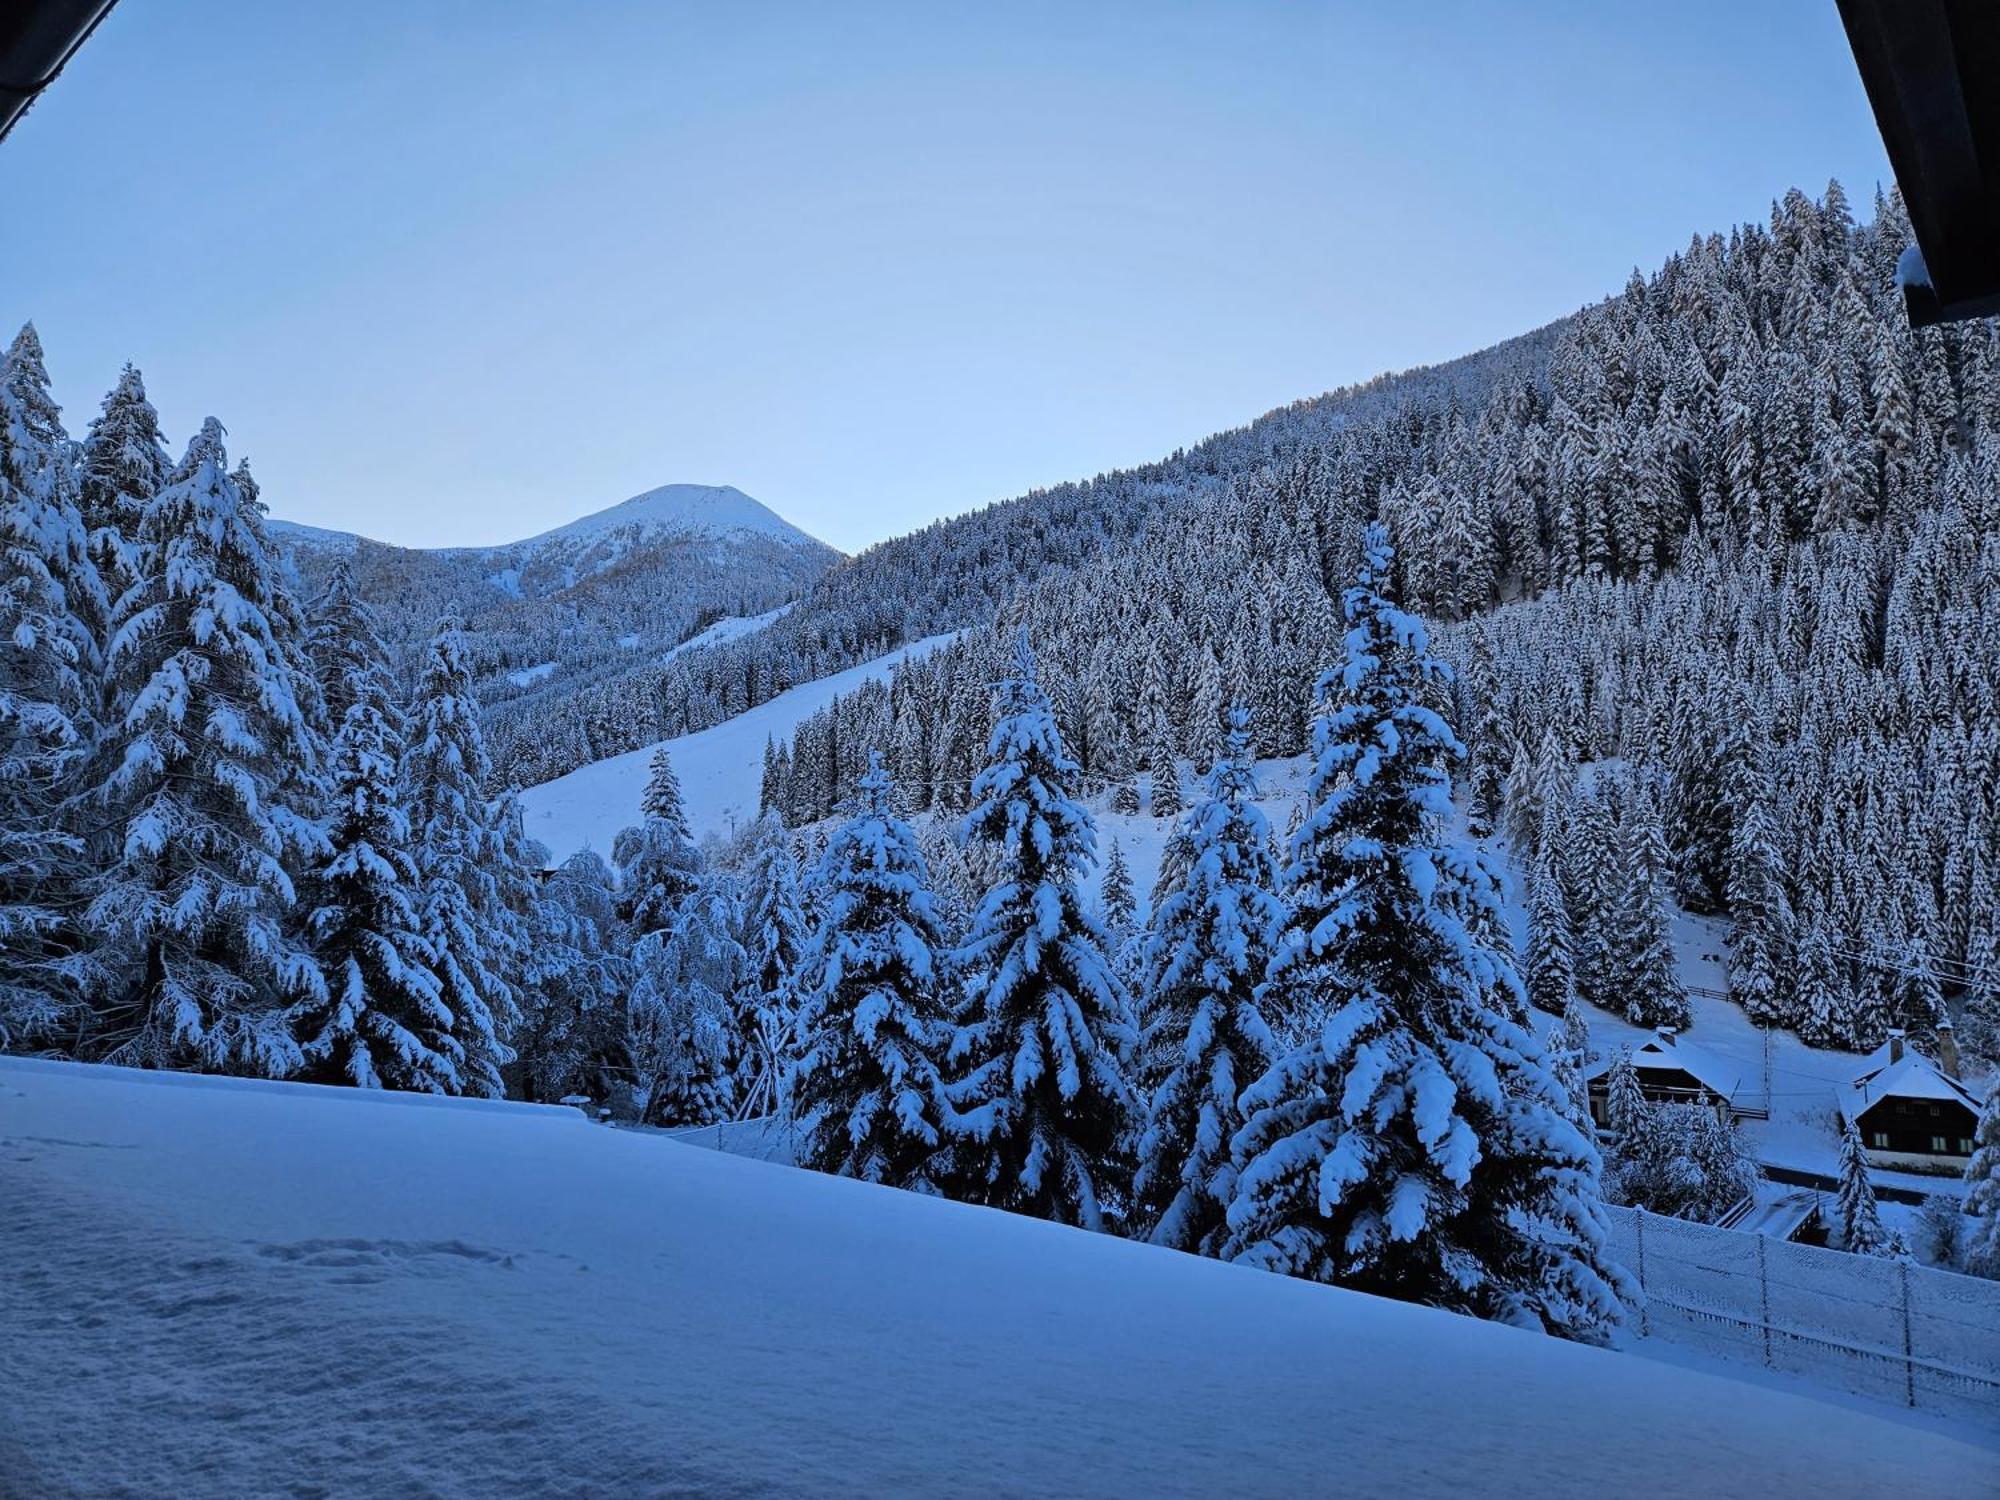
224	1287
720	769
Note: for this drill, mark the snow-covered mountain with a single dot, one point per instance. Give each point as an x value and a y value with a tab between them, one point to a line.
565	555
591	600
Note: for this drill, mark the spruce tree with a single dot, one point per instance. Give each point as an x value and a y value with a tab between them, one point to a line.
871	1098
680	1025
658	865
1204	958
1647	979
384	1013
458	855
1165	778
1416	1144
1982	1187
48	667
1625	1108
677	1023
1861	1228
344	646
775	939
1117	898
1045	1102
1551	971
1761	942
123	464
575	984
662	797
213	756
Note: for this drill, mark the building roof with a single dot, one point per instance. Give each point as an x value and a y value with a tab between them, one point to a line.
1912	1076
1659	1054
1932	71
37	37
1773	1210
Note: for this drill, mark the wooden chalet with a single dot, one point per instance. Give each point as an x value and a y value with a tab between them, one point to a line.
1672	1071
1912	1112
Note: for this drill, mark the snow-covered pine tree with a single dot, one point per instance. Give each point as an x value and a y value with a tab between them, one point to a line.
1119	902
1046	1106
658	864
1566	1065
775	938
1625	1108
678	1023
679	1032
1551	971
211	755
1861	1228
1490	749
1761	941
457	849
662	798
871	1099
1646	979
48	667
575	985
383	1023
1204	957
1982	1187
1416	1143
123	464
1593	886
1164	775
344	646
1125	797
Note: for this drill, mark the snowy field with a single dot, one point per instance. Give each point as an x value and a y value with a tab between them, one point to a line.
720	769
227	1287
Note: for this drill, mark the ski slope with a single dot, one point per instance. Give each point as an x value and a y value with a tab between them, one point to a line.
720	768
230	1287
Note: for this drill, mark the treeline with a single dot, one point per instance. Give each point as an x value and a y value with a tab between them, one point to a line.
228	840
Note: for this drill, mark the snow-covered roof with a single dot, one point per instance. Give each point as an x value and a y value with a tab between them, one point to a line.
1773	1210
1912	1076
1658	1054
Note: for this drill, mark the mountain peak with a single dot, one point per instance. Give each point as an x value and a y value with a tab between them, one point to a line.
702	509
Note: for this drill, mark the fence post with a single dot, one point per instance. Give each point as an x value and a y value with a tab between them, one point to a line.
1639	1234
1764	1300
1909	1352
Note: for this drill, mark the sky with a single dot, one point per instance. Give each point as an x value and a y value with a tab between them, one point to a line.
454	273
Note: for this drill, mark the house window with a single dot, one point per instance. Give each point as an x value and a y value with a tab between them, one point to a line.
1938	1145
1935	1111
1964	1145
1879	1140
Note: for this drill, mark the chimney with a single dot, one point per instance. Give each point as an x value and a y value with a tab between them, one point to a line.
1896	1045
1947	1045
1666	1034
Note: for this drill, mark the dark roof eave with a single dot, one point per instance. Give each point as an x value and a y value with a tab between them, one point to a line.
37	40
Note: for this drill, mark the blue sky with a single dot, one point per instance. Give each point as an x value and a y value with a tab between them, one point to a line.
456	272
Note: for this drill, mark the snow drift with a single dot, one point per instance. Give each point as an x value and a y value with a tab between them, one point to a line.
227	1287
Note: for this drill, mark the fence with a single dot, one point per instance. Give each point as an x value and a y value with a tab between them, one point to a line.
1883	1328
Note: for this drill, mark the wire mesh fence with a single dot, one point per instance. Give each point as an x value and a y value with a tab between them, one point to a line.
1882	1328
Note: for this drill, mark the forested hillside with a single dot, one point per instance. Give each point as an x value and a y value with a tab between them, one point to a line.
1730	547
963	571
